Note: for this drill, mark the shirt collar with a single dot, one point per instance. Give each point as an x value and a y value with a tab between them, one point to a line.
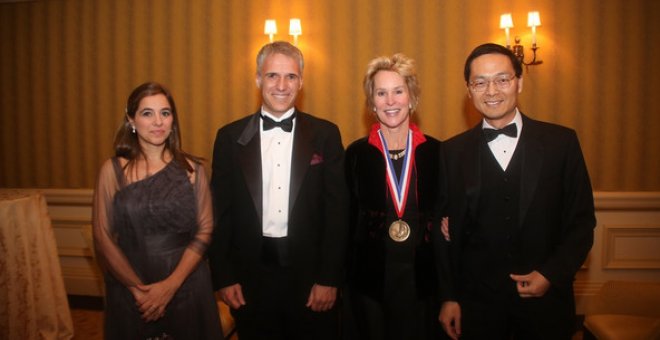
418	136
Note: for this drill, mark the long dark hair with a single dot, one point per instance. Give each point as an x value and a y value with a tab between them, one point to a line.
126	142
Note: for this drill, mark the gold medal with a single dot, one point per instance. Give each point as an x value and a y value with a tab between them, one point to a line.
399	231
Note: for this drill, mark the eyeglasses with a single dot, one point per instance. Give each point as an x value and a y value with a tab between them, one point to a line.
501	82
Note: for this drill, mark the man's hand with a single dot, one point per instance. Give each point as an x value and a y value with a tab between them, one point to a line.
450	319
233	296
531	285
321	298
444	228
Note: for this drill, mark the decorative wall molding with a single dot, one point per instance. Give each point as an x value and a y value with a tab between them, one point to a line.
631	246
70	211
630	200
622	248
603	200
68	197
628	226
586	288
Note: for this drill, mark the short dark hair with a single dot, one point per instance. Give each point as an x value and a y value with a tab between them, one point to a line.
490	48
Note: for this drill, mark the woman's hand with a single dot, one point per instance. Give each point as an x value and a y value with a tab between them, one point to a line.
152	300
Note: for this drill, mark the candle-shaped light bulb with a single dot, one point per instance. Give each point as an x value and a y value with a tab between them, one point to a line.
295	29
270	28
506	22
533	20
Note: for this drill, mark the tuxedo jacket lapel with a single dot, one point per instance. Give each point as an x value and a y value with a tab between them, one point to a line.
250	161
532	158
301	156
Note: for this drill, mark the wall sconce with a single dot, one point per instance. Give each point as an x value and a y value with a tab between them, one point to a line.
533	20
270	28
295	29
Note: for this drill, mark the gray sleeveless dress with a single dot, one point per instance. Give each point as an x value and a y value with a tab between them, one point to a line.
155	220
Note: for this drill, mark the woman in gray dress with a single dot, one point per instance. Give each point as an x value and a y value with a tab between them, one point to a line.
152	222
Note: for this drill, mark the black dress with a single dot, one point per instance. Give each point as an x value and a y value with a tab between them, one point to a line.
152	222
392	286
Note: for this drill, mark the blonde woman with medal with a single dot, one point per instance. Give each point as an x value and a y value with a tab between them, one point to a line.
393	179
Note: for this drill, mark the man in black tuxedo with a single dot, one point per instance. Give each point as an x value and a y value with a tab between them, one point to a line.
521	213
281	211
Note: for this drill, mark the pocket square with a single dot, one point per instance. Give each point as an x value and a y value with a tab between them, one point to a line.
316	159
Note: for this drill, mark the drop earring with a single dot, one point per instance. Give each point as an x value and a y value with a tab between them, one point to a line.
133	126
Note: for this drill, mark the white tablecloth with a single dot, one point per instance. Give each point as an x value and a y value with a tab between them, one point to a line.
33	301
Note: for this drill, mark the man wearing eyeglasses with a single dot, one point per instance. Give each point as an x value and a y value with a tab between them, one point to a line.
521	214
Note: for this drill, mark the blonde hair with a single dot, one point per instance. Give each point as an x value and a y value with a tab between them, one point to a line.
398	63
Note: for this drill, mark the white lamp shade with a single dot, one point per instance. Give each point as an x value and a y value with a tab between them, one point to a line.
533	19
270	27
295	28
506	21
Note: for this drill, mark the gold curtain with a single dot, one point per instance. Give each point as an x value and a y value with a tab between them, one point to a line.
67	66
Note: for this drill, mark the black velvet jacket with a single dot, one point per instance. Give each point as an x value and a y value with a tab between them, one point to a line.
370	199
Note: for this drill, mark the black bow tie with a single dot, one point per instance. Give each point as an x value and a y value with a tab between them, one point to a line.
286	125
510	130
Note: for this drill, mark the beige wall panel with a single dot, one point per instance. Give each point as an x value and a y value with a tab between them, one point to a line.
625	241
631	246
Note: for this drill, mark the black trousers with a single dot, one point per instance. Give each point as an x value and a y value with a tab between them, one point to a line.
401	314
508	317
275	304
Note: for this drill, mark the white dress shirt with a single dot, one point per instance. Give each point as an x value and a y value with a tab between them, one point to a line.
504	146
276	150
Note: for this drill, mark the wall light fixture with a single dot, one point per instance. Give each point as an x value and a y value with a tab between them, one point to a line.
270	28
295	29
533	20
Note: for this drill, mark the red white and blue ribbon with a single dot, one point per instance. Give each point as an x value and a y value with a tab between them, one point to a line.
398	186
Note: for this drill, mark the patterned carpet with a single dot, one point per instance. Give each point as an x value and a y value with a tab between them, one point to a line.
87	314
87	323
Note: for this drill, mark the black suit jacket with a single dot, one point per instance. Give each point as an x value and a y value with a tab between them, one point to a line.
556	211
317	225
